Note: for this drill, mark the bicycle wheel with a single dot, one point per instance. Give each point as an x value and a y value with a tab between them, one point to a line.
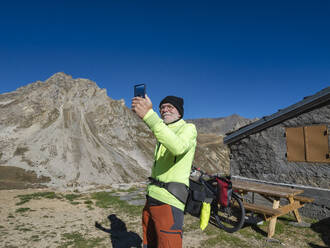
230	218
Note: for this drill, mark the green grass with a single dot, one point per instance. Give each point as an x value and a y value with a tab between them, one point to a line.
77	240
90	207
72	197
35	238
240	239
89	204
23	229
280	227
287	218
190	223
49	195
210	231
10	216
36	196
22	210
248	232
218	236
106	200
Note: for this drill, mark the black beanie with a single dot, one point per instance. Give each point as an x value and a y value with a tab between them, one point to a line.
177	102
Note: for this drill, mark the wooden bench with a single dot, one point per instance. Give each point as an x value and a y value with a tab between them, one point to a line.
303	198
266	211
272	193
269	211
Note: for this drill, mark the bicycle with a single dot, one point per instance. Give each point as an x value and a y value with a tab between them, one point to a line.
229	218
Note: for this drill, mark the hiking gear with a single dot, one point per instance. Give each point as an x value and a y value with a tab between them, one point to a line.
205	215
195	199
225	190
179	190
177	102
162	226
197	195
154	202
230	218
173	156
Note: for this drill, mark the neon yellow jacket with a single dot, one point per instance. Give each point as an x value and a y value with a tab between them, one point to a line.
173	156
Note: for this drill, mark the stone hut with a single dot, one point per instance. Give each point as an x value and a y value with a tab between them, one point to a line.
291	148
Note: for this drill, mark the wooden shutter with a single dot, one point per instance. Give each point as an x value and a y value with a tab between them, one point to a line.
316	143
295	143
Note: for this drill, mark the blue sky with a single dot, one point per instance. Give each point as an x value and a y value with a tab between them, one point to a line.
223	57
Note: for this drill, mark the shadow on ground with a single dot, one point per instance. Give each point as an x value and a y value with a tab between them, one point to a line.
323	228
119	236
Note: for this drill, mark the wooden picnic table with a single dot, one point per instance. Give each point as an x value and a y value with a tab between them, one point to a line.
274	194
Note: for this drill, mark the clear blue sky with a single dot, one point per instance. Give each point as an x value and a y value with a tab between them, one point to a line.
224	57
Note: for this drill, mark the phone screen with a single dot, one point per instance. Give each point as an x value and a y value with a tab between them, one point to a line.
140	90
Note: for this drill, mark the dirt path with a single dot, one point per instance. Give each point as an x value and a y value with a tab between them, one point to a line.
68	220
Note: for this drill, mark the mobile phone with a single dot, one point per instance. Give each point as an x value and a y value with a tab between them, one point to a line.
140	90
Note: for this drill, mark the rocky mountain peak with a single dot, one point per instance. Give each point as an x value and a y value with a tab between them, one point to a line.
59	76
70	131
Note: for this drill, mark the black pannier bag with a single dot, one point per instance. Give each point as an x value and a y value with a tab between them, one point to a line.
195	199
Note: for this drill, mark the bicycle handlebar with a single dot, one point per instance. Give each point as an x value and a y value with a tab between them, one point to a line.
203	173
193	169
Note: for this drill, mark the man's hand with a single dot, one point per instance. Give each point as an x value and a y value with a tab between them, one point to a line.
141	106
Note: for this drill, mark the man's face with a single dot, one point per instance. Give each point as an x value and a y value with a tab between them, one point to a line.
169	113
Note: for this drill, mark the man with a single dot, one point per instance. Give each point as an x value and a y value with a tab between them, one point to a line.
162	217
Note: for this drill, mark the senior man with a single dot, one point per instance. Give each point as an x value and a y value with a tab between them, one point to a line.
162	217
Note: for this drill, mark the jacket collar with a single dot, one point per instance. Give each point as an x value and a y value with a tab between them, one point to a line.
177	123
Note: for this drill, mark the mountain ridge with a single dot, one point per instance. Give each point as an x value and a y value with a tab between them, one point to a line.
220	125
69	133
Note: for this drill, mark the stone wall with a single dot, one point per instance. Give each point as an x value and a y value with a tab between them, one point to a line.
262	155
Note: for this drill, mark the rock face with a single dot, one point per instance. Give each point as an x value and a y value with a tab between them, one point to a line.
70	131
222	125
211	154
69	134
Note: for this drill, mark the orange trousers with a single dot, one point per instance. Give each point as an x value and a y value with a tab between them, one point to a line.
162	226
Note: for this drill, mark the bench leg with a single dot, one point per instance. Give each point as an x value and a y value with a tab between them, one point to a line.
272	223
295	211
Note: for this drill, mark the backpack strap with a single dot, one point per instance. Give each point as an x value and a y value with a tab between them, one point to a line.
157	182
179	190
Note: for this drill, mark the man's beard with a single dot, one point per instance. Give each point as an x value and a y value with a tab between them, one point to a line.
169	118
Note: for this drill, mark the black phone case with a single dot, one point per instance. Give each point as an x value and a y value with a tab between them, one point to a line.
138	92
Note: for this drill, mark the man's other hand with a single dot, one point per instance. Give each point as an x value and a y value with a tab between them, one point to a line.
141	106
